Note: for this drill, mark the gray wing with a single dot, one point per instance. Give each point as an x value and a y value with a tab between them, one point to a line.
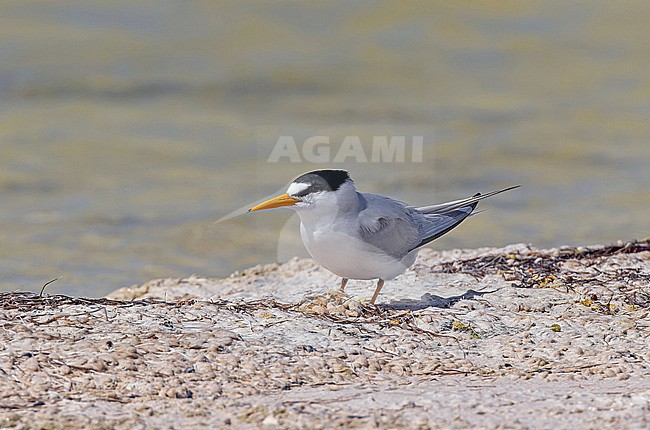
444	217
438	224
389	225
397	229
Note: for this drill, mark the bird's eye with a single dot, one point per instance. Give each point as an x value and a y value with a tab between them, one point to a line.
302	193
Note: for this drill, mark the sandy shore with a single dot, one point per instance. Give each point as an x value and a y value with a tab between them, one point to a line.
514	337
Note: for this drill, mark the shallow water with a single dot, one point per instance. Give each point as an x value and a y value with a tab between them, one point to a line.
126	131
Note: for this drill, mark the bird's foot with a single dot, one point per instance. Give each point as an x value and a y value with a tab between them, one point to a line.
380	285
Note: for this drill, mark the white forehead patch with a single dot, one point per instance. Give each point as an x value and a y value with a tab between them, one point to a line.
297	187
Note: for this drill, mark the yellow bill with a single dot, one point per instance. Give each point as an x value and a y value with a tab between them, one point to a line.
275	202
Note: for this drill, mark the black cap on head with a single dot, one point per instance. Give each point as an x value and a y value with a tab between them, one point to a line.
322	180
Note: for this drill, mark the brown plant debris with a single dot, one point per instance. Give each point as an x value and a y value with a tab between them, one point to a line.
569	268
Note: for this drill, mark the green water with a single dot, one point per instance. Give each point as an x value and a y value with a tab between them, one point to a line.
128	128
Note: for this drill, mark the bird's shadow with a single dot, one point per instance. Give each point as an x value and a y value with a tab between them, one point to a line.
432	301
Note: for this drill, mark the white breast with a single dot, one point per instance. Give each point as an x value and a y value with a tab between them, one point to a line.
343	253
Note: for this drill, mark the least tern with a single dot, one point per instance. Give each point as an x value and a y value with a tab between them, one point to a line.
365	236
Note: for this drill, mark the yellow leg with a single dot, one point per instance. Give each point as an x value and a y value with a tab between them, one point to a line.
380	284
344	282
